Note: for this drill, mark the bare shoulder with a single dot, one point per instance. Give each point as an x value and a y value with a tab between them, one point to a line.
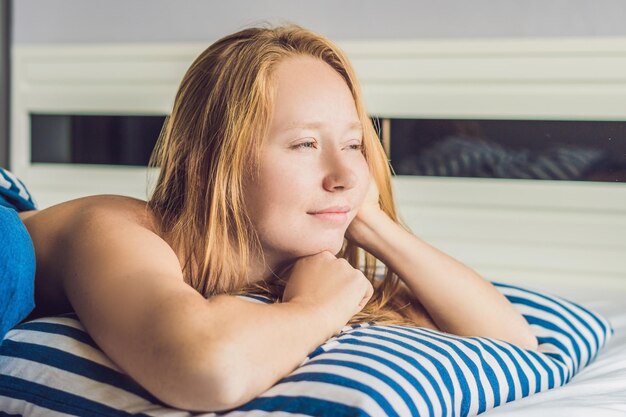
119	226
66	219
58	217
113	255
110	234
90	239
85	219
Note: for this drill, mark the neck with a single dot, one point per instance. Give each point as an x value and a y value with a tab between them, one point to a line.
263	271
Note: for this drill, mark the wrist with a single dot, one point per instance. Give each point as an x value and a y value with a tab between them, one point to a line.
369	230
316	313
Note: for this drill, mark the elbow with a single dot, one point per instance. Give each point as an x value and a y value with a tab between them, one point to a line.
207	402
203	383
526	341
529	343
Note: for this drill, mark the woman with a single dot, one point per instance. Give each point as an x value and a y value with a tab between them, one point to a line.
271	177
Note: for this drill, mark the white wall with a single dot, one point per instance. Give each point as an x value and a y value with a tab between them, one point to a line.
532	232
50	21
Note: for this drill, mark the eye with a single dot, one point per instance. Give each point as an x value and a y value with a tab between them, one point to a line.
308	144
356	146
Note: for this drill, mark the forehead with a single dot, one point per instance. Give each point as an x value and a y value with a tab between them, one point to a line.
310	93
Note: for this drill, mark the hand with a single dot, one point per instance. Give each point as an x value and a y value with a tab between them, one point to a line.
369	208
330	286
371	199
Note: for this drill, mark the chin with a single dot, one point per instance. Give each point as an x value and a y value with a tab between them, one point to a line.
333	248
330	242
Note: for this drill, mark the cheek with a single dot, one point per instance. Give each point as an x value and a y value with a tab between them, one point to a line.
285	185
281	193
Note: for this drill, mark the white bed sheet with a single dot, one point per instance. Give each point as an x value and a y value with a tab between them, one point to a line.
599	390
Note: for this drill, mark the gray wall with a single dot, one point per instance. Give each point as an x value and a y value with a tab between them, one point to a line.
43	21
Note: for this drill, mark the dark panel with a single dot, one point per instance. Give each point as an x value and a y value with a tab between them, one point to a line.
110	140
529	149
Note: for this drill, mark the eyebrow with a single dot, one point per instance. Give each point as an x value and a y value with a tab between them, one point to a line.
317	125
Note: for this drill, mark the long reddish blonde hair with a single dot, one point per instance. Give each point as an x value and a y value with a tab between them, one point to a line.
211	141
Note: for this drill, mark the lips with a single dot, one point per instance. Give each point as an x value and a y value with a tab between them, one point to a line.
333	209
335	214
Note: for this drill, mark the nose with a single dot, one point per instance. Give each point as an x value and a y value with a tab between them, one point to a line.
339	174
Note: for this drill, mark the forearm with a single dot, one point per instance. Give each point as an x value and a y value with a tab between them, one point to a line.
217	354
262	343
458	299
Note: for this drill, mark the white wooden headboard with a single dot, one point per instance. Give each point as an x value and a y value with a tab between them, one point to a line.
515	230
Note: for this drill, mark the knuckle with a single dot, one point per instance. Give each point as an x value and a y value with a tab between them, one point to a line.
327	255
359	273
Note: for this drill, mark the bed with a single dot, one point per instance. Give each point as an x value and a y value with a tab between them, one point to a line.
558	237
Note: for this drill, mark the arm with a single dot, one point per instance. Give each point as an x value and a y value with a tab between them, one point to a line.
126	285
457	299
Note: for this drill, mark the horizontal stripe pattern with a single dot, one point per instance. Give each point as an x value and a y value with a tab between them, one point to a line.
51	366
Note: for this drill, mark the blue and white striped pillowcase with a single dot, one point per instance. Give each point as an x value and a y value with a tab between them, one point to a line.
13	192
365	370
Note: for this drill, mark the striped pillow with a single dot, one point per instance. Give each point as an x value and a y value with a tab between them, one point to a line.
366	370
13	192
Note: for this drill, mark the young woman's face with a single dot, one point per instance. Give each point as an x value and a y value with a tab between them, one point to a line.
311	162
